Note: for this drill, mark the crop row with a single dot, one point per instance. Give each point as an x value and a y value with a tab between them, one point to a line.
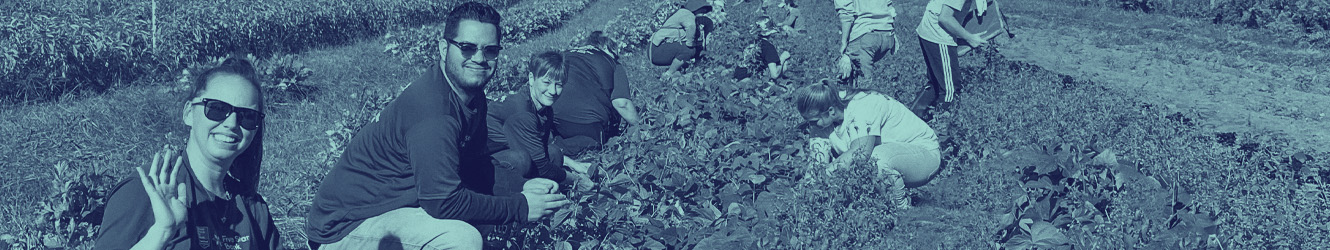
51	53
1311	17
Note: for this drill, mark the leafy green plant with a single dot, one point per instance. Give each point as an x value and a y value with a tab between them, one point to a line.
70	216
53	52
285	78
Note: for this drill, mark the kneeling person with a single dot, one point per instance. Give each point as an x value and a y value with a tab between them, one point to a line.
418	176
851	121
520	128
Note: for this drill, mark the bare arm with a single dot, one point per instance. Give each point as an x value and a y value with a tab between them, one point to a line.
627	110
846	23
949	23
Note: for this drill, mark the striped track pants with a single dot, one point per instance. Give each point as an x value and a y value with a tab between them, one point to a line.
941	61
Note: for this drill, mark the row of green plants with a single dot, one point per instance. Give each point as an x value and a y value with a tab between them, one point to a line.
715	166
64	50
1172	186
1309	17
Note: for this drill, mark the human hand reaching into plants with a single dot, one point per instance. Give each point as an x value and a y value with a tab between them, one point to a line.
539	204
844	66
541	185
165	192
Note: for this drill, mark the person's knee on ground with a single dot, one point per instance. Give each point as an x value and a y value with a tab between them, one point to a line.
461	236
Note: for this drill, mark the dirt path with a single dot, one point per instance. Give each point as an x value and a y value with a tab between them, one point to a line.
1234	83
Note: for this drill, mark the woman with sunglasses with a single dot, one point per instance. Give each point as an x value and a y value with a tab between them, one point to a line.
846	122
208	197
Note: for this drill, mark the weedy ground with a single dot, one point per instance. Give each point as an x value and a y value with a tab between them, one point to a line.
1057	141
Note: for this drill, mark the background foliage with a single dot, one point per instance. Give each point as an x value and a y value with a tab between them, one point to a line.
1310	17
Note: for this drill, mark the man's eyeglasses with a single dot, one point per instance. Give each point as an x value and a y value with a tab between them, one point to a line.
217	111
469	49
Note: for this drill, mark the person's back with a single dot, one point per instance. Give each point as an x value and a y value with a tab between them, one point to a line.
869	15
867	35
588	87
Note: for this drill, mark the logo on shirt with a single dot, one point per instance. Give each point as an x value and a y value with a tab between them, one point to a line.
205	238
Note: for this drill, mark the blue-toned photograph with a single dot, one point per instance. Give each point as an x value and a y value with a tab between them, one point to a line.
664	124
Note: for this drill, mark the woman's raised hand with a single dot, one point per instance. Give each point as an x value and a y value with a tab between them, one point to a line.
165	192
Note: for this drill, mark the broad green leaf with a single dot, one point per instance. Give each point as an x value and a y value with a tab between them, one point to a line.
589	244
1045	235
563	245
653	244
757	178
560	217
1106	158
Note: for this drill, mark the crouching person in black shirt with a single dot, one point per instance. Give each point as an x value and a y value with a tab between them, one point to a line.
521	126
419	176
207	198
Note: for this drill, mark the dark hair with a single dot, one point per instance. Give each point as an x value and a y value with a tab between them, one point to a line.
706	23
598	40
824	94
547	64
471	11
245	168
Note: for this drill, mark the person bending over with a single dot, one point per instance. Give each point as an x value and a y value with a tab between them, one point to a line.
675	43
845	122
939	35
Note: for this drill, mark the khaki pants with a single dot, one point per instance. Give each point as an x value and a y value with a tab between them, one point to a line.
409	228
870	48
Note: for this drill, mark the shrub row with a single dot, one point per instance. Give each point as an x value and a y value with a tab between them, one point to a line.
1310	17
50	53
719	165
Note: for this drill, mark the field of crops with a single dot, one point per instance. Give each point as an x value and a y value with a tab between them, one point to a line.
1033	159
53	48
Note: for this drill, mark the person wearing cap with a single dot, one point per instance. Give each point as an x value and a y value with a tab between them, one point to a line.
675	43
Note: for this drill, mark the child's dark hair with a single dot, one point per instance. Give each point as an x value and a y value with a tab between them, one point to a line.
471	11
245	168
546	64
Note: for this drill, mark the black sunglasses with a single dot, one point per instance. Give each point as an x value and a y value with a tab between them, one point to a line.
217	111
469	49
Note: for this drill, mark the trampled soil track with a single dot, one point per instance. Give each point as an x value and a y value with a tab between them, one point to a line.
1233	83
